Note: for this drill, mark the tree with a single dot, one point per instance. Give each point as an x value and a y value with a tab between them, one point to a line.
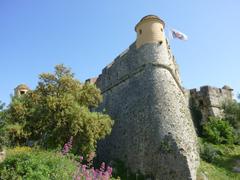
218	131
232	113
2	131
58	108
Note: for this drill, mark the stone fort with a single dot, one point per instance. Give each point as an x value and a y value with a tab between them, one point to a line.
155	118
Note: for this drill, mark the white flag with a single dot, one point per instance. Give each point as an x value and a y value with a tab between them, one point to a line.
177	34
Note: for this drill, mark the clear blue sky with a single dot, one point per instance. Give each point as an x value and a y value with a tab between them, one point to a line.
86	35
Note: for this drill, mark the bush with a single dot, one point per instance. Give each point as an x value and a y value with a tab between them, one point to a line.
3	139
237	136
209	153
218	131
232	113
24	163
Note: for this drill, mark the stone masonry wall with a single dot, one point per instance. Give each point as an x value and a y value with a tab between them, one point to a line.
209	101
153	132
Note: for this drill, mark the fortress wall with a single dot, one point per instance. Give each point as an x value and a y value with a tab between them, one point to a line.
209	101
153	132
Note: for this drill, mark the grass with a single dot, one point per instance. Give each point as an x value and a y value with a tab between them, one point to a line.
222	168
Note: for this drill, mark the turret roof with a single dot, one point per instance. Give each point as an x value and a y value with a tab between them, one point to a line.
150	17
22	86
227	87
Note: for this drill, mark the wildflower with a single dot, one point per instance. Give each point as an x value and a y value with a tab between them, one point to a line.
67	146
81	158
84	167
109	170
102	168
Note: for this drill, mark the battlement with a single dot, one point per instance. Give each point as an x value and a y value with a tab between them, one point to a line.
209	101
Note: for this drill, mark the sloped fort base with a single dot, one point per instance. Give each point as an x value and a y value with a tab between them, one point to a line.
153	132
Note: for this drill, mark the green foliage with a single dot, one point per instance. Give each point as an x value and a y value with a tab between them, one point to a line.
220	167
209	153
165	146
58	108
3	139
23	163
218	131
232	113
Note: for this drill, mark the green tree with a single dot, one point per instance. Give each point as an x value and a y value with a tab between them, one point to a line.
2	131
232	113
218	131
58	108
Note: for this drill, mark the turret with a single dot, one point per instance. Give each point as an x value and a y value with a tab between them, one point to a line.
21	89
150	29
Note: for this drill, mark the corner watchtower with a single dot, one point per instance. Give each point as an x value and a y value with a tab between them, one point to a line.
21	90
150	29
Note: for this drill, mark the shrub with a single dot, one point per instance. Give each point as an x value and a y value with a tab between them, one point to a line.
3	139
237	136
209	153
218	131
232	113
24	163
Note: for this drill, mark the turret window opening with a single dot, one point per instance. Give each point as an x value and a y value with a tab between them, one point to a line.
22	92
140	31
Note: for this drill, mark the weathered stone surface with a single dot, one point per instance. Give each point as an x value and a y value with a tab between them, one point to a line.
153	132
209	101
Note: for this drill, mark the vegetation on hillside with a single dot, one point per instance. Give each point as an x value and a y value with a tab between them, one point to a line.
2	132
220	145
26	163
218	131
219	161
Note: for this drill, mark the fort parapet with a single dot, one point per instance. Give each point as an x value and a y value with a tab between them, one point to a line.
208	101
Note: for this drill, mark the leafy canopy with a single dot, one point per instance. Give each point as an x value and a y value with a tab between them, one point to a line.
58	108
2	132
218	131
232	113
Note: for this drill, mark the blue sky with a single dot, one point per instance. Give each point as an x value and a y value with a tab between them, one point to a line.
87	35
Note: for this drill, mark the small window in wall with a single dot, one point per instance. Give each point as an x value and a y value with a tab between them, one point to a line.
22	92
162	29
160	43
140	31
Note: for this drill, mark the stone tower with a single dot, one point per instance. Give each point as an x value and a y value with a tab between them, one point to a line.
153	132
21	89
